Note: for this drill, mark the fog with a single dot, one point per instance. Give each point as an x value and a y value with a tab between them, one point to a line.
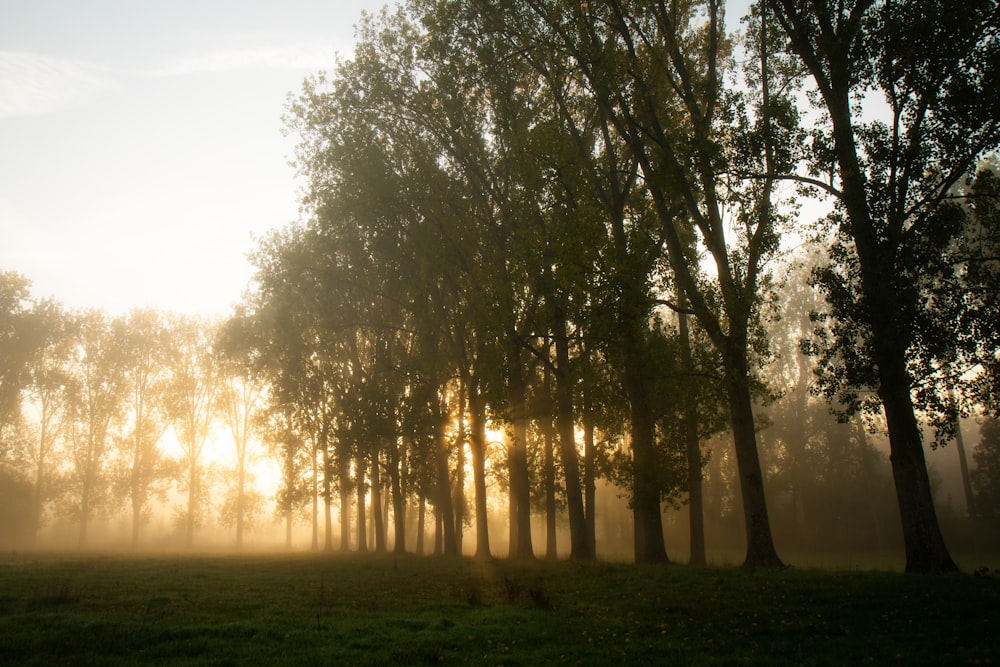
826	524
552	294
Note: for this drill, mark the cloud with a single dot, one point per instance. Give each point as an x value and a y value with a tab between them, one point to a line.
293	56
33	84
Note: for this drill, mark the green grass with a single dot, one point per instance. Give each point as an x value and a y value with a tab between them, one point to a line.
310	609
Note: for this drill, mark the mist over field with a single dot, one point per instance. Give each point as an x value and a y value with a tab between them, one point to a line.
514	332
822	521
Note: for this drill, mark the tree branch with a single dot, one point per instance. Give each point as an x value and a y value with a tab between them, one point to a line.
673	306
806	180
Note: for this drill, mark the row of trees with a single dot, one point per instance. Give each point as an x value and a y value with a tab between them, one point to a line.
505	199
88	401
104	414
567	219
828	483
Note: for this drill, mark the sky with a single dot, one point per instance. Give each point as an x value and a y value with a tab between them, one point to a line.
141	146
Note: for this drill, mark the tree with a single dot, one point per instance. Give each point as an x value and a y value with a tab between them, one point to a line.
286	445
16	349
53	390
702	416
145	374
986	473
16	508
99	371
193	390
934	64
981	243
419	425
829	482
239	401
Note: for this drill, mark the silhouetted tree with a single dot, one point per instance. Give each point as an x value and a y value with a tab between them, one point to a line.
934	66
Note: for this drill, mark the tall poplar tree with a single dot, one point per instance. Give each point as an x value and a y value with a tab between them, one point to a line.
52	389
99	370
193	388
933	66
146	374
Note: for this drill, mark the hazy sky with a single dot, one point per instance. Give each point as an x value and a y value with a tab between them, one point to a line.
140	141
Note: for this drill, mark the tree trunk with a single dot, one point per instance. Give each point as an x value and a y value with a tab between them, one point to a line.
517	457
513	529
867	481
289	482
315	500
549	474
696	511
360	481
963	465
460	506
421	511
439	527
693	447
567	445
137	503
926	551
760	545
344	477
240	504
371	519
327	500
477	446
398	501
525	547
445	530
385	518
377	525
88	482
193	483
649	545
36	507
84	512
551	551
589	470
135	490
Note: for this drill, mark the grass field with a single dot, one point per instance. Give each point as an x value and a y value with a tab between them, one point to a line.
354	610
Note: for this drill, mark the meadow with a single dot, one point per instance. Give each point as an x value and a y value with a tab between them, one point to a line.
366	610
